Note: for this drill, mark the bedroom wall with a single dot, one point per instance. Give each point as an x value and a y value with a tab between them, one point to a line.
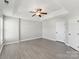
11	29
1	13
73	33
30	29
0	30
54	29
49	29
1	34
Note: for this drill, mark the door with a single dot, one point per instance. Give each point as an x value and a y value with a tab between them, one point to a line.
60	30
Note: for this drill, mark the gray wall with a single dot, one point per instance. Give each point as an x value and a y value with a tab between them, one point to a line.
11	27
73	33
67	31
28	29
54	29
0	30
49	29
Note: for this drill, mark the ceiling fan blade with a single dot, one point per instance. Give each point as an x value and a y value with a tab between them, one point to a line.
43	13
33	15
39	15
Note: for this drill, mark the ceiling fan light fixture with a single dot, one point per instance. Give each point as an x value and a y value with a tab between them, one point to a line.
39	12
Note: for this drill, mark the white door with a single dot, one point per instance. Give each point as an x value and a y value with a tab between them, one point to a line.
60	31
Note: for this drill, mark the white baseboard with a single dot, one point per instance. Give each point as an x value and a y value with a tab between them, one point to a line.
67	44
11	42
30	39
53	39
22	40
75	48
1	48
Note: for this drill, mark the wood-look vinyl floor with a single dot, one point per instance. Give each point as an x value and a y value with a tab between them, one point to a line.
39	49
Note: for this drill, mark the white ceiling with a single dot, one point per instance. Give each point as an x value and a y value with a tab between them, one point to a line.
72	6
21	8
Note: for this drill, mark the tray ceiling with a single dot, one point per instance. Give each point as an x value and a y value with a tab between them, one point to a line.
21	8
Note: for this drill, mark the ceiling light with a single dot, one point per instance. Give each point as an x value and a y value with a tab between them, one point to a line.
38	12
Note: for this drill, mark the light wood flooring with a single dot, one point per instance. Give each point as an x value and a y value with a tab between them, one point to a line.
39	49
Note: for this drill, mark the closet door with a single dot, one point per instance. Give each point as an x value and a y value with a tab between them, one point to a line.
11	29
60	31
73	35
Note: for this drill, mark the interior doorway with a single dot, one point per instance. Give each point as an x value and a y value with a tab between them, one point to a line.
60	31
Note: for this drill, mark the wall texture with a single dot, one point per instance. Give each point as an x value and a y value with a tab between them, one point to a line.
63	30
49	29
73	33
54	29
0	30
28	29
11	29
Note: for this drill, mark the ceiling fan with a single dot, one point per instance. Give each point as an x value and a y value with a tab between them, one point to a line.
38	12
